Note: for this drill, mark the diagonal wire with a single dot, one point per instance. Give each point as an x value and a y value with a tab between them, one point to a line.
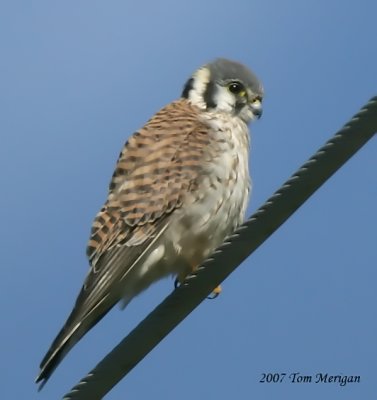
247	238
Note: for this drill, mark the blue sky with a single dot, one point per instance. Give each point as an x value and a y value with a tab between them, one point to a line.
76	79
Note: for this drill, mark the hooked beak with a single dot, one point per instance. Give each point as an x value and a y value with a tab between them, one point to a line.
256	108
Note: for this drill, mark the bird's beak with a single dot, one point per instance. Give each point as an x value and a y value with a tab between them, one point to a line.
256	108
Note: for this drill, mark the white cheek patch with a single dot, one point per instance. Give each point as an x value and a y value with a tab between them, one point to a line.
224	100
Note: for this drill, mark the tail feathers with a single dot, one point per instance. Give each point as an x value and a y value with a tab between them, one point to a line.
74	329
62	344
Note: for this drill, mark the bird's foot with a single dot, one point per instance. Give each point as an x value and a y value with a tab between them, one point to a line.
177	283
215	293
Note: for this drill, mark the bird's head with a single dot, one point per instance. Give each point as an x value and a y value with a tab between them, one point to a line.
226	86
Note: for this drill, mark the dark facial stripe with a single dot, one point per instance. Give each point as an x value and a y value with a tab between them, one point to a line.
188	86
209	95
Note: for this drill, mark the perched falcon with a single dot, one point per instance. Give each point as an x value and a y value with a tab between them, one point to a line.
181	184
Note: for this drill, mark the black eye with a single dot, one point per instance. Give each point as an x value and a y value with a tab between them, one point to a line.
236	87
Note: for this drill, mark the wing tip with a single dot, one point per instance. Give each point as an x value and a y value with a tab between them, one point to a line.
41	380
47	367
58	350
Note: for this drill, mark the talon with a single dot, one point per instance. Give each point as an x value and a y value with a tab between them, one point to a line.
176	283
215	293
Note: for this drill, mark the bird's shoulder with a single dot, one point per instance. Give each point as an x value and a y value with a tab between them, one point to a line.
166	132
157	166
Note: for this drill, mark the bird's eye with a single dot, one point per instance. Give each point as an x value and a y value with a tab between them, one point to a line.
237	88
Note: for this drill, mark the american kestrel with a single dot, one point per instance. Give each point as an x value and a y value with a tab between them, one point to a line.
180	186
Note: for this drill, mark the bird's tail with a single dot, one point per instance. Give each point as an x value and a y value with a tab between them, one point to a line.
64	341
73	330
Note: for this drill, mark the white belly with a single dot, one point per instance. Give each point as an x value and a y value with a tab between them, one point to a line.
219	204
